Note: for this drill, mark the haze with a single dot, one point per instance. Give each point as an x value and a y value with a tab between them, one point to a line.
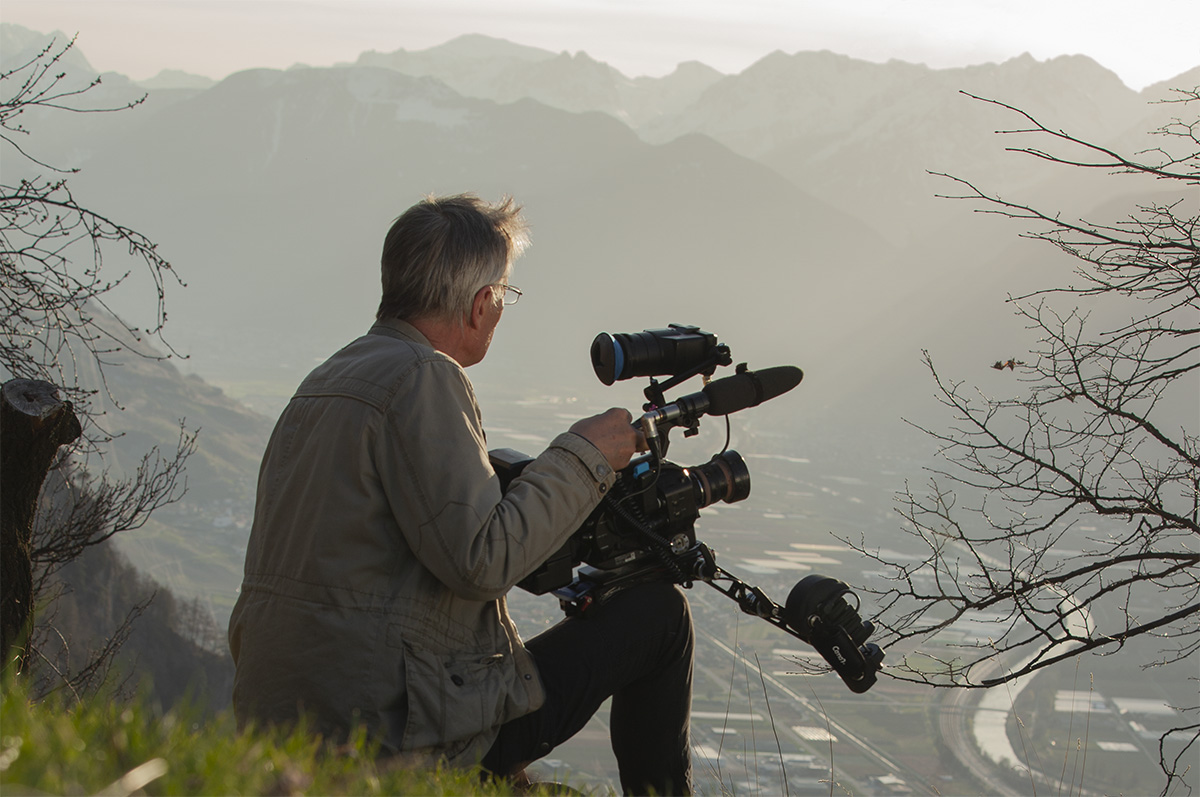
1143	43
781	197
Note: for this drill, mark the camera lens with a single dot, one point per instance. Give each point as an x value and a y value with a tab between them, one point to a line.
654	352
725	477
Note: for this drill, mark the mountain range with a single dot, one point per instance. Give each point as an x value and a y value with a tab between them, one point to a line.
789	208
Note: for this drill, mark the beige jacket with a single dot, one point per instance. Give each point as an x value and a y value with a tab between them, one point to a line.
382	550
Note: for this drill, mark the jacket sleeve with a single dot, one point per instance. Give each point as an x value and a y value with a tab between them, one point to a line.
431	457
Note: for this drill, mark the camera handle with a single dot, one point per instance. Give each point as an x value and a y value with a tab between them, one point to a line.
720	355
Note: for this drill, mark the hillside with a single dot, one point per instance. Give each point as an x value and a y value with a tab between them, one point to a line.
192	546
144	403
173	649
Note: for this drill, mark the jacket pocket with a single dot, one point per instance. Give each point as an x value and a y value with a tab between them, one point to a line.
452	698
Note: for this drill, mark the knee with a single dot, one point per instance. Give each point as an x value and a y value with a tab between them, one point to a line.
666	606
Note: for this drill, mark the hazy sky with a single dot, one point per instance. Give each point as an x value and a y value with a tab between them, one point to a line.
1143	41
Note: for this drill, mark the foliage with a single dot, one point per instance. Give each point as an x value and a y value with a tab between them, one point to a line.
114	747
1069	515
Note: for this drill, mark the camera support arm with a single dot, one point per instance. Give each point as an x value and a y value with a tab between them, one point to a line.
816	613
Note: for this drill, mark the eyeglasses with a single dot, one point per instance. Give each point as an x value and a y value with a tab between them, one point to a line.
511	295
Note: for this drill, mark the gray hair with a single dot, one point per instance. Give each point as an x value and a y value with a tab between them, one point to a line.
442	250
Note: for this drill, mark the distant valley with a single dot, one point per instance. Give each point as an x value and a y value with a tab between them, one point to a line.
789	208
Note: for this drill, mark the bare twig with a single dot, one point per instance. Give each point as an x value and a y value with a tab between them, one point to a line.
1062	514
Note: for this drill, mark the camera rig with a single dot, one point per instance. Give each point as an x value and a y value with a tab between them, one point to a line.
644	529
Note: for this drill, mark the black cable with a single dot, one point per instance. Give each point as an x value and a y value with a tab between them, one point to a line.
661	547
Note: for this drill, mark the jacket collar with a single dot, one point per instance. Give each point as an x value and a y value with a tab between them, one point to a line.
395	328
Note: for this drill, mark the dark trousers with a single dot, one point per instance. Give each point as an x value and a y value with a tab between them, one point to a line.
637	649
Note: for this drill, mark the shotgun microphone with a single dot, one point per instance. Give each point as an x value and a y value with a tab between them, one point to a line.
724	397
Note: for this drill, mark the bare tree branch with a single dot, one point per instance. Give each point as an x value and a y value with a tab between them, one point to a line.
1068	517
57	326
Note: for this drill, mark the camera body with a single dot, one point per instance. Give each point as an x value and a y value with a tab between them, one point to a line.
648	520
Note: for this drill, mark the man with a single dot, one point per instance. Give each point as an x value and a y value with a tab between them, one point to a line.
382	547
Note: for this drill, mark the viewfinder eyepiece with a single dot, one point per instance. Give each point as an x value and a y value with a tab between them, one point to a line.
655	352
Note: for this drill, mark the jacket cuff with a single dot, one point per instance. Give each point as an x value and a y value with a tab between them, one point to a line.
590	457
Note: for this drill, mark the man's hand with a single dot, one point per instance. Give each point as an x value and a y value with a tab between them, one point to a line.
613	434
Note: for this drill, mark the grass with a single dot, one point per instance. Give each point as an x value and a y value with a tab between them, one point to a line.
116	747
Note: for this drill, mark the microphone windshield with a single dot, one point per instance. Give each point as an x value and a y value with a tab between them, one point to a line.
750	388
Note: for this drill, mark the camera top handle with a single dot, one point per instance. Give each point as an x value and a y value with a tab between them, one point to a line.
655	391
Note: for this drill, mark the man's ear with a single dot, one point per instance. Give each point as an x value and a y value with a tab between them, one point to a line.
479	306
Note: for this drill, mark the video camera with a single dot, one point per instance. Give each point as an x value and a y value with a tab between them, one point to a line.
644	529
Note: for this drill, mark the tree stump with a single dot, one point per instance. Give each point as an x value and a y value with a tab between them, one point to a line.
34	422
